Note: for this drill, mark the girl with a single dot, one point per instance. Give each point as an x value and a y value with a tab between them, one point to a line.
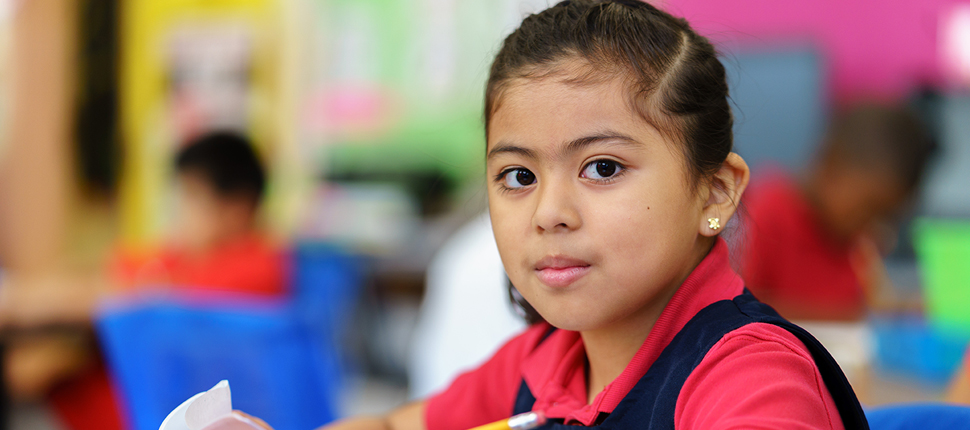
611	175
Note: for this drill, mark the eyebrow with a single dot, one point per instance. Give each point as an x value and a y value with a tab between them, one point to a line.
508	148
572	146
585	142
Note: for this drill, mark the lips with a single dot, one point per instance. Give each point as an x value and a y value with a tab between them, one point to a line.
560	271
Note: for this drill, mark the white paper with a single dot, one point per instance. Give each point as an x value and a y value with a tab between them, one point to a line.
211	410
176	419
209	407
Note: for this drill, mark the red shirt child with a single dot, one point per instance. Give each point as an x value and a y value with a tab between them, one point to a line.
813	247
756	375
216	247
792	262
251	264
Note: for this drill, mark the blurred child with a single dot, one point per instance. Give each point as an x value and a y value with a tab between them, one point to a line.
610	177
217	245
813	247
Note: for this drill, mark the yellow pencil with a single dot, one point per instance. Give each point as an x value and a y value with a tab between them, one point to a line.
526	421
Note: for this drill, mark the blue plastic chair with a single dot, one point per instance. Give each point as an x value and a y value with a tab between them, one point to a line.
908	345
919	416
326	283
281	358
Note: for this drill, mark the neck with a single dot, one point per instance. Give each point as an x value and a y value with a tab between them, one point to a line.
814	187
610	349
229	234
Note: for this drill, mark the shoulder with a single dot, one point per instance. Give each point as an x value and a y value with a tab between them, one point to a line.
759	375
486	393
518	348
130	268
761	337
257	245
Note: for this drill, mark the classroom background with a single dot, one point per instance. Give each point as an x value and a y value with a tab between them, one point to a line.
367	117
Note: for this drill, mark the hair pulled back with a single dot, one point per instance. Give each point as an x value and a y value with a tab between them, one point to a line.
677	84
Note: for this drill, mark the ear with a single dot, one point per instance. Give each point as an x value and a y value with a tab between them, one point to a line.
724	194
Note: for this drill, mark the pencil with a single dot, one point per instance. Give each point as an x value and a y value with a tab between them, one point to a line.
526	421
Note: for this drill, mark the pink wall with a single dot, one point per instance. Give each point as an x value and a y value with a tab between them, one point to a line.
871	48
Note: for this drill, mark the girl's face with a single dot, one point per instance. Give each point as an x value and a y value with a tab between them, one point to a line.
591	206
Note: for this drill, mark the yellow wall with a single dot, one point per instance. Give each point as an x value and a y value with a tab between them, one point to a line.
149	144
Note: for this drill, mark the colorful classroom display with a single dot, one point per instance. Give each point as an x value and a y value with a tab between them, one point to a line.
339	87
943	247
190	66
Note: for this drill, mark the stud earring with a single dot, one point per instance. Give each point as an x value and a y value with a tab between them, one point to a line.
714	223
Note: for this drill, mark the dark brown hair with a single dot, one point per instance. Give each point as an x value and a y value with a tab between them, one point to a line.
227	162
676	82
880	136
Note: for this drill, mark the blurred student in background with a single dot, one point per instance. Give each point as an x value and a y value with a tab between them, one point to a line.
217	244
814	245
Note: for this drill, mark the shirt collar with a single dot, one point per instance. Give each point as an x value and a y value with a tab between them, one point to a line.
556	370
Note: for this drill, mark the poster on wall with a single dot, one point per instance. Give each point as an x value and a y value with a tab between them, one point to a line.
189	67
393	112
209	82
398	84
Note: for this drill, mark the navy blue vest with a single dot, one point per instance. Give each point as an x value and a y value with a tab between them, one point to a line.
651	402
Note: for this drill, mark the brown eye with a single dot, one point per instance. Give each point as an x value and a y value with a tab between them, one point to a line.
518	178
601	169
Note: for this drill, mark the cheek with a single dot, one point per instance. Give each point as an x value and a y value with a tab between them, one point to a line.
644	226
628	231
509	223
515	237
197	221
643	209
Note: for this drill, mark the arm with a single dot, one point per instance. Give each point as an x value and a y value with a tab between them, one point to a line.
871	270
870	267
407	417
758	376
474	398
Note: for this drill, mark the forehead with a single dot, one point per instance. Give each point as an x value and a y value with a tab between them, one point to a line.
556	109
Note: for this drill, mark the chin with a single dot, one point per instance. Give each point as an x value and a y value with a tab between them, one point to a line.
563	311
570	327
570	320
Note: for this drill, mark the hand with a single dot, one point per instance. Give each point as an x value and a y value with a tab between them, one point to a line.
257	421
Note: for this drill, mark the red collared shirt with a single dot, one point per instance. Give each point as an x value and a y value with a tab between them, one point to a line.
759	375
792	262
250	264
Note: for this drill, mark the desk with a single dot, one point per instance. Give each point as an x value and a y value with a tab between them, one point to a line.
853	345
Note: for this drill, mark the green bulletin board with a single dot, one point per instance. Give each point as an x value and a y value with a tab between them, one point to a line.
415	71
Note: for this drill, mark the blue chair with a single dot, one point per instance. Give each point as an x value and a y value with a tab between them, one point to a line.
326	283
908	345
282	358
919	416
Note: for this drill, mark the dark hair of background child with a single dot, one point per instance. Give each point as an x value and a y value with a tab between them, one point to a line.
677	84
879	136
228	162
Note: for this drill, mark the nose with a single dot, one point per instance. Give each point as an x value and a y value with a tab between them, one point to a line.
556	209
